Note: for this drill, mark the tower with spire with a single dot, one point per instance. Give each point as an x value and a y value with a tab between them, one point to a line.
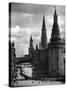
53	56
55	36
43	34
56	46
31	48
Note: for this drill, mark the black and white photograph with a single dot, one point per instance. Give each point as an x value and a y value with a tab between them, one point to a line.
36	44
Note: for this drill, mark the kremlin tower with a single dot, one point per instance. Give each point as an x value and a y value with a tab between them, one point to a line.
43	35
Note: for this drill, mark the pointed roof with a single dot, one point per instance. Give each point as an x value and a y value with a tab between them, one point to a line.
13	44
43	24
31	42
55	35
43	36
31	38
36	47
55	15
55	12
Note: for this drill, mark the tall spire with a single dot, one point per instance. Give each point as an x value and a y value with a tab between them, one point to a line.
43	36
55	15
55	30
43	24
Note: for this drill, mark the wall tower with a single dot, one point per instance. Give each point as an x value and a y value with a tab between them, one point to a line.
43	35
31	48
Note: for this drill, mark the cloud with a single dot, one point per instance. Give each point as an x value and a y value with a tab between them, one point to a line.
15	29
61	20
49	19
21	37
21	48
13	39
27	15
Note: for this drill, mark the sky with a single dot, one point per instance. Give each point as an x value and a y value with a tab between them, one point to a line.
26	20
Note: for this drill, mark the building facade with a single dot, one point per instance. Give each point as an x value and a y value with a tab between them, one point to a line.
48	59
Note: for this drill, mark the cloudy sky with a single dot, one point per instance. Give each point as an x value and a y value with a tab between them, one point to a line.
26	20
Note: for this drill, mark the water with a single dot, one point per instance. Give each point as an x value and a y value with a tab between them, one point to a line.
26	70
